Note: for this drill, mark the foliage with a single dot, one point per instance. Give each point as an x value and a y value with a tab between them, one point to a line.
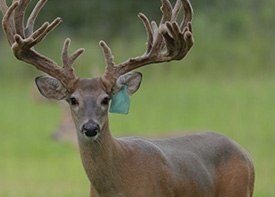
231	37
119	18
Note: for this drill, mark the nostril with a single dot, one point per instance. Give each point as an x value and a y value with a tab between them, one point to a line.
90	129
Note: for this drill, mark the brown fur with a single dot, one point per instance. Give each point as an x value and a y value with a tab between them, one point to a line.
173	167
197	165
202	164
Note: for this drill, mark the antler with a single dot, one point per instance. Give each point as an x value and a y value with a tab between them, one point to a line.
166	42
23	39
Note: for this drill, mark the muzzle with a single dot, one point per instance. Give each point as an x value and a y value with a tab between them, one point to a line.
90	129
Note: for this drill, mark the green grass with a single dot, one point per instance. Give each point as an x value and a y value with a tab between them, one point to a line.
31	164
220	86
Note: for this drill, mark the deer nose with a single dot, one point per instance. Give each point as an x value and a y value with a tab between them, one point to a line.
90	129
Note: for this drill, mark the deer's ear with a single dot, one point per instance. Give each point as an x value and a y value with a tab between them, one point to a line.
51	88
126	85
132	80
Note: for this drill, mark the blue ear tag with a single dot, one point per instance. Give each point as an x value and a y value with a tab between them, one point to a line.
120	102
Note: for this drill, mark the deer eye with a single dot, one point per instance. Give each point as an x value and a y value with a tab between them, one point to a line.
105	101
73	101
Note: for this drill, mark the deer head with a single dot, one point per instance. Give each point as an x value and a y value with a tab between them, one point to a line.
89	98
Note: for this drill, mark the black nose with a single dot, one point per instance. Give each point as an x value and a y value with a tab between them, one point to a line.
90	129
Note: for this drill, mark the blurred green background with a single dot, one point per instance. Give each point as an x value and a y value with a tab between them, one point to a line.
225	84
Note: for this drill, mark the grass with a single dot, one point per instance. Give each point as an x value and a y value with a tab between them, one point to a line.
31	164
225	86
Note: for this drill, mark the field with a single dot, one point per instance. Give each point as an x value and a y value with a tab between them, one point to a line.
226	84
32	164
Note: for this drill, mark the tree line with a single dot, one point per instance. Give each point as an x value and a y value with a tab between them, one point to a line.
119	17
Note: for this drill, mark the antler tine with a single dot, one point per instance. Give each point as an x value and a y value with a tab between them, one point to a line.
176	9
109	58
166	42
167	11
3	6
110	73
33	16
43	31
22	40
68	60
149	31
8	23
188	15
19	14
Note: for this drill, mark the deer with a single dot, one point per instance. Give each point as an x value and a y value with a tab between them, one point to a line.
205	164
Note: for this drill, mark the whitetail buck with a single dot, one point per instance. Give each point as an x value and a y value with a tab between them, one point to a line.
203	164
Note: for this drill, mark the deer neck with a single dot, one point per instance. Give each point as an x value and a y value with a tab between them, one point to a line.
100	159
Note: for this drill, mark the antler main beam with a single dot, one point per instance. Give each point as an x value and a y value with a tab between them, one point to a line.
22	39
165	42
